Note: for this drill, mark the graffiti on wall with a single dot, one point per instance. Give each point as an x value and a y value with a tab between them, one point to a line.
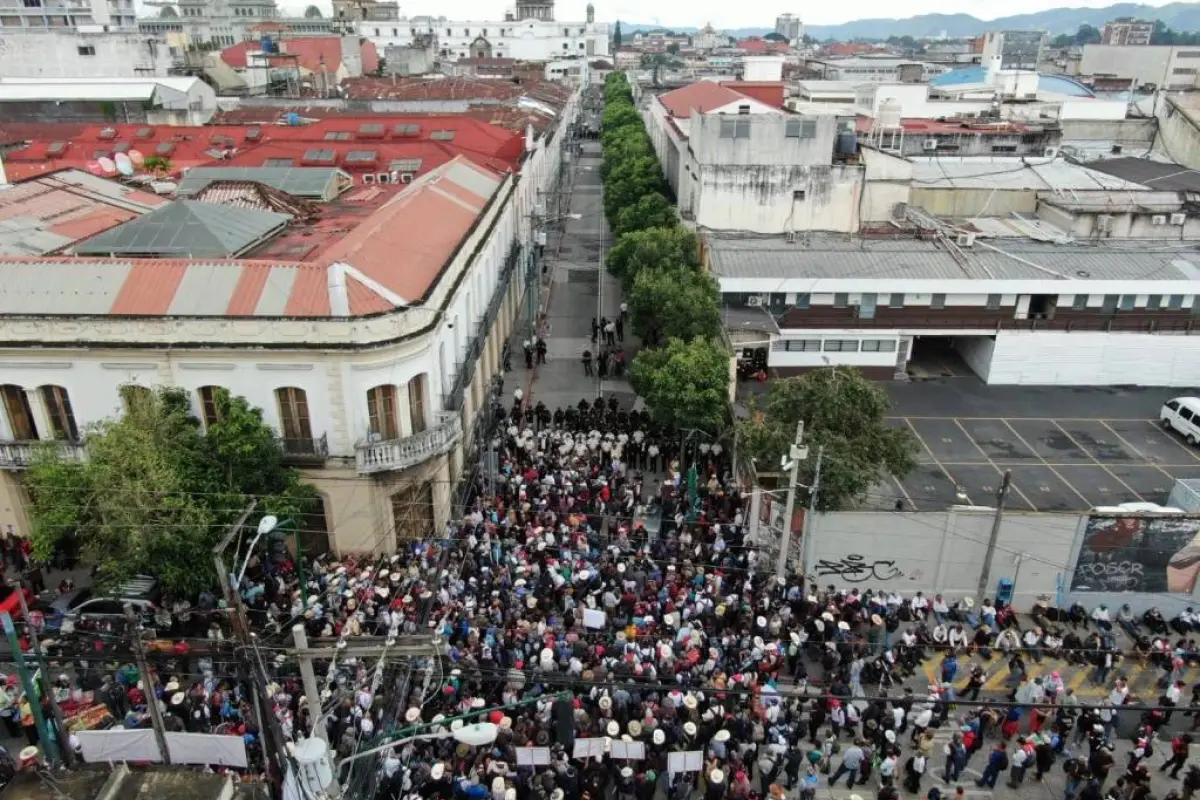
856	569
1138	554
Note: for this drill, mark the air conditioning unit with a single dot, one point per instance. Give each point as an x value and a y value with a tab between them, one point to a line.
368	178
1178	219
965	240
755	300
1158	219
383	177
1050	152
406	177
929	144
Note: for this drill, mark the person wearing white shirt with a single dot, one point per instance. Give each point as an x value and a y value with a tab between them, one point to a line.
1102	618
957	637
920	605
940	609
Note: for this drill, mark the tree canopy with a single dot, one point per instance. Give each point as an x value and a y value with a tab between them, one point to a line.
157	490
650	211
617	35
685	383
843	411
1087	34
674	301
638	250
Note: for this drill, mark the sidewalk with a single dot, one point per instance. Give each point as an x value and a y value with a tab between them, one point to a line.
580	289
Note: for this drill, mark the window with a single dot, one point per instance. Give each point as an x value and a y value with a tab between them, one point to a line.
405	165
20	413
371	129
165	148
86	50
416	403
337	136
879	345
442	136
277	162
841	346
993	302
56	149
803	301
1176	71
797	345
406	130
209	404
1173	405
1111	301
412	512
318	155
381	412
937	302
1154	302
896	300
841	300
1127	302
744	109
361	157
1175	302
135	397
800	129
58	408
1185	414
294	424
1004	148
735	128
1079	302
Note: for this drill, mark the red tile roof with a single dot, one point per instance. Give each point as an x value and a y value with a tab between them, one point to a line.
310	53
459	88
771	93
701	96
758	47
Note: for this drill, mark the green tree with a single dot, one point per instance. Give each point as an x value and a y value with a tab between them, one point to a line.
157	490
685	384
674	302
844	412
1087	34
651	211
620	116
617	36
673	49
639	250
629	181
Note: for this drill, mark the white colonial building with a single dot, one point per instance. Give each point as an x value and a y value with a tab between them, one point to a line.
528	32
374	360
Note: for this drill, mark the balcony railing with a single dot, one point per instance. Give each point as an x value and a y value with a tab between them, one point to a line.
398	454
19	455
312	450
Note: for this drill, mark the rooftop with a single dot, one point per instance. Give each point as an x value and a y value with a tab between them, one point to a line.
187	229
977	74
701	96
312	54
17	90
834	257
471	89
310	183
1155	174
985	172
839	87
49	213
371	251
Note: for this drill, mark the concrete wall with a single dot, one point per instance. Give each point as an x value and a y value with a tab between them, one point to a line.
81	55
1179	130
1095	359
1131	131
954	202
1122	225
1164	66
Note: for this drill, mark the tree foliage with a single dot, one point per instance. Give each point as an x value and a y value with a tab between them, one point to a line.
1168	36
674	301
636	251
617	36
650	211
157	491
685	383
844	412
1087	34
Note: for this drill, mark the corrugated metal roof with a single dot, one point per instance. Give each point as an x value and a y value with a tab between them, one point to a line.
187	229
1114	202
833	257
15	90
1012	173
316	183
65	286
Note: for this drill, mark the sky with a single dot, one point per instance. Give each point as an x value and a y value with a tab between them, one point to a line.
724	14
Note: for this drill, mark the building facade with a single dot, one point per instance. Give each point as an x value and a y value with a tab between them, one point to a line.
1128	31
789	27
1174	68
93	15
379	392
76	54
529	39
223	23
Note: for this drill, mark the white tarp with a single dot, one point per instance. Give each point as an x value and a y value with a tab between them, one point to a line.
119	745
207	748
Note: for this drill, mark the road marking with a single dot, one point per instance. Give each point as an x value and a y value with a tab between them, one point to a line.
1184	446
908	498
1099	463
1046	464
993	419
938	464
999	471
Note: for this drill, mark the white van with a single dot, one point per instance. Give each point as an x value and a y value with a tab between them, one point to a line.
1182	414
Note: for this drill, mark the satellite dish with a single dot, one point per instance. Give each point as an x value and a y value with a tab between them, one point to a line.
137	158
124	165
106	165
94	168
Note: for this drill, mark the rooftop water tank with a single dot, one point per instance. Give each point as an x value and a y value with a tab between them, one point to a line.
890	113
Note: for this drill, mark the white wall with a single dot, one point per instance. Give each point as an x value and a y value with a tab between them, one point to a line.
883	356
528	40
977	352
61	55
1095	359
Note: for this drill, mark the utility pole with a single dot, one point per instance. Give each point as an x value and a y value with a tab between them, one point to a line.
312	695
68	754
35	705
139	655
796	453
1001	496
806	534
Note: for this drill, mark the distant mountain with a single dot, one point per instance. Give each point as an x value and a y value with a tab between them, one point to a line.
1180	16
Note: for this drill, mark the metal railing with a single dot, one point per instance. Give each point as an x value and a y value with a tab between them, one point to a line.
19	454
1145	323
305	449
397	454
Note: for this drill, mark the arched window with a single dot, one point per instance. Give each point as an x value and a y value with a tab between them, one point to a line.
19	412
58	408
416	403
381	412
209	410
294	424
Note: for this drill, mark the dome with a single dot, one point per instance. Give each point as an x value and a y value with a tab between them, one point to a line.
312	12
168	12
1054	84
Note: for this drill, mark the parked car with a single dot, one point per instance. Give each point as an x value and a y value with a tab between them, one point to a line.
1182	415
66	610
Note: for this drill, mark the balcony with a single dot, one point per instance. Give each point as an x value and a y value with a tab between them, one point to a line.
19	455
398	454
305	451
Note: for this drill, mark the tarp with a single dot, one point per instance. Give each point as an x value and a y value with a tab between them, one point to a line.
207	748
119	745
186	748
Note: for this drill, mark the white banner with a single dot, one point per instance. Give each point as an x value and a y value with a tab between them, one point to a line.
119	745
207	748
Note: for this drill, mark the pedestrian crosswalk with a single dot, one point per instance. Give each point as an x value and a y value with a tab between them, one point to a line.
1144	678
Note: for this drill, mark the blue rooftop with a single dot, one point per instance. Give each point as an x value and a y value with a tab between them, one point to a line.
1056	84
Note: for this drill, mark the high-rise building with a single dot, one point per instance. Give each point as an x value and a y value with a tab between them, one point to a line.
789	26
1128	31
1013	50
61	15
